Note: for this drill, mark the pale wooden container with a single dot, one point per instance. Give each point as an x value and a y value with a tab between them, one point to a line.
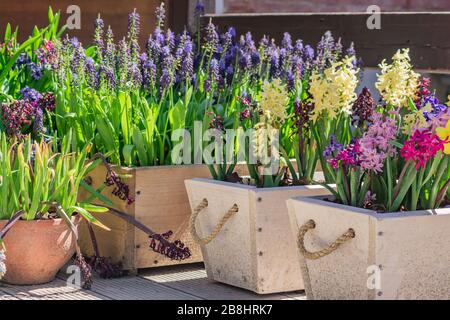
161	203
256	249
409	250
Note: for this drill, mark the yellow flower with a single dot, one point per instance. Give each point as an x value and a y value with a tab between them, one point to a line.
444	134
333	91
448	102
274	99
398	82
415	120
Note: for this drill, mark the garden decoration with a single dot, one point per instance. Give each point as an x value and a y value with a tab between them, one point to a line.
388	218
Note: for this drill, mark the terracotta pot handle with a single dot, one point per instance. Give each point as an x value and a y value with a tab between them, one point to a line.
310	224
217	228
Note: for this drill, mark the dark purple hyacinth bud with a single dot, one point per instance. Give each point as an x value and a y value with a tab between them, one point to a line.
187	65
297	66
245	60
333	147
255	58
274	63
337	51
166	79
91	73
134	27
249	43
302	112
174	250
30	95
23	60
135	75
170	39
264	42
110	48
290	81
160	15
211	37
245	114
109	76
286	43
16	115
48	101
298	48
37	72
229	75
363	108
350	51
38	124
98	35
308	53
121	189
123	62
199	9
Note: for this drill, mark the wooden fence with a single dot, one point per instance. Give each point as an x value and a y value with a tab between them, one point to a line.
424	33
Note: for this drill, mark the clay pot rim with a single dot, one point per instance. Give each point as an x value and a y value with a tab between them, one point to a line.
56	221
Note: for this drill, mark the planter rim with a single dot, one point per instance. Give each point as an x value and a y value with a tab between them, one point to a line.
192	165
254	188
319	200
44	221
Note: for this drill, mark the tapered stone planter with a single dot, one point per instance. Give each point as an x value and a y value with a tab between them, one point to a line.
255	249
161	203
402	255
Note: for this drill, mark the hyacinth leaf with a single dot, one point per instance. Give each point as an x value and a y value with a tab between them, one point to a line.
437	182
67	220
128	152
340	186
7	33
389	182
177	115
365	184
404	186
139	143
290	166
125	116
329	188
354	186
95	193
90	218
396	144
434	166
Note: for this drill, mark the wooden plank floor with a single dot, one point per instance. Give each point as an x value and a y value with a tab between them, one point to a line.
187	282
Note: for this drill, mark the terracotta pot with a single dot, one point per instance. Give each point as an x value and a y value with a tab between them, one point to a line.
36	250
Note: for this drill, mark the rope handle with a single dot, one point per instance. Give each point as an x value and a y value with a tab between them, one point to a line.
310	224
217	228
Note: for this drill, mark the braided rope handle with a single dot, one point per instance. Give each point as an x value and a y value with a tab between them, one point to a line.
217	228
310	224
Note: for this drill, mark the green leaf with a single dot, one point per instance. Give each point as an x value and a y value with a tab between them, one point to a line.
90	217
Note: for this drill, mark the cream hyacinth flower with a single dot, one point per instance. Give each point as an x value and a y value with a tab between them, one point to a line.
416	120
274	99
333	91
398	81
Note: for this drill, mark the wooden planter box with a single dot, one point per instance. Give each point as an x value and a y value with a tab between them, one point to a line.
161	203
255	249
408	250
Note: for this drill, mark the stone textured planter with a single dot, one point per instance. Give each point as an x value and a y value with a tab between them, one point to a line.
408	250
37	250
161	203
255	249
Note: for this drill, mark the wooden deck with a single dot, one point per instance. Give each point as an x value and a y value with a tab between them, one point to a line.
167	283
